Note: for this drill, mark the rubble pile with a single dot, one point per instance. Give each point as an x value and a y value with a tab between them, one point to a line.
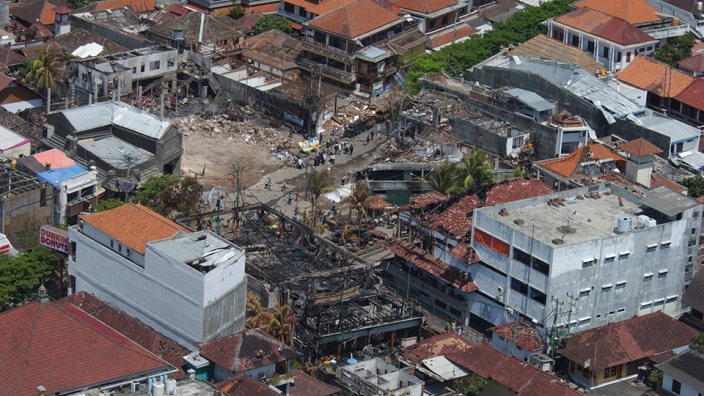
233	127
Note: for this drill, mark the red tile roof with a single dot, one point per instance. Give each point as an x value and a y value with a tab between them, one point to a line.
305	385
244	385
657	179
604	26
693	63
131	328
177	9
62	9
62	348
36	11
568	165
249	20
137	6
10	58
633	11
427	199
262	8
627	341
516	189
693	95
424	6
430	264
526	336
440	345
447	37
456	220
464	252
655	76
5	81
640	146
354	20
519	376
246	350
376	203
133	225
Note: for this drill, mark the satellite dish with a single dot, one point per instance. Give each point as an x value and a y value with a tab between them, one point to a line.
572	218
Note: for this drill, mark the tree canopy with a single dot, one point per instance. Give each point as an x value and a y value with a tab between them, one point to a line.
107	204
676	49
22	274
44	69
695	185
698	343
456	178
456	58
167	194
272	21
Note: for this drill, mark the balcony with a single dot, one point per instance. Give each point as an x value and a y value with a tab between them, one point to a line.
670	31
328	52
329	72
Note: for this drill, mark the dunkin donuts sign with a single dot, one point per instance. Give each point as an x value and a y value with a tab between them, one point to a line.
54	238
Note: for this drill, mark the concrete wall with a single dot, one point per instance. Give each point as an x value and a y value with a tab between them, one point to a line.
506	345
147	60
123	39
18	151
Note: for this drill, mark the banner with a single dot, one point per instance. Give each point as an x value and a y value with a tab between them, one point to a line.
54	238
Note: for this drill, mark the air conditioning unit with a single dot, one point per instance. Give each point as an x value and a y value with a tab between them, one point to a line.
501	289
509	311
134	386
500	298
262	376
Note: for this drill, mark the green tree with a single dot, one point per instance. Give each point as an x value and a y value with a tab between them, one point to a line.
469	385
698	343
655	376
695	185
167	194
43	70
107	204
236	11
154	190
357	199
319	182
676	49
267	22
20	275
445	178
476	170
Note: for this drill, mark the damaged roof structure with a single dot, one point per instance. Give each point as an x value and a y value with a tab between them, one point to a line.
335	295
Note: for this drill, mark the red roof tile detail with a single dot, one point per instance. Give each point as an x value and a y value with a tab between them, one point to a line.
244	385
430	264
655	76
693	95
630	340
427	199
376	203
632	11
657	179
516	189
640	146
262	8
134	225
9	57
694	63
132	328
604	26
424	6
481	359
62	9
566	166
514	373
354	20
137	6
246	350
440	345
305	385
177	9
446	38
526	336
464	252
456	220
544	384
41	339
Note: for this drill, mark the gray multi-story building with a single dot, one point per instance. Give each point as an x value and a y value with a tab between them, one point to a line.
190	287
584	257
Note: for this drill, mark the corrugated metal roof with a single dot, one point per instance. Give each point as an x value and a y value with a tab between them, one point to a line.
445	368
531	99
57	176
116	113
9	139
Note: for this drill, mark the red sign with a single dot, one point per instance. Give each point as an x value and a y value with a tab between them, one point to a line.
54	238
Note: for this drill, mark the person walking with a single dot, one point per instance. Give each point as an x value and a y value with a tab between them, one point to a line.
290	198
283	185
296	196
351	149
267	183
369	138
344	178
295	210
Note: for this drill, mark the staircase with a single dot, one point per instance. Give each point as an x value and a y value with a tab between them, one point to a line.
214	84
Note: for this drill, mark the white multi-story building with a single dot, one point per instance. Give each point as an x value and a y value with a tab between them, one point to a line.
584	257
187	286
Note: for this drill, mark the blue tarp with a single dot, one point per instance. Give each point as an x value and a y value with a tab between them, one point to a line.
57	176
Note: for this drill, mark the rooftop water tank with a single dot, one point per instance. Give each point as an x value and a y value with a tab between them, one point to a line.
170	386
624	224
641	220
351	360
158	389
650	223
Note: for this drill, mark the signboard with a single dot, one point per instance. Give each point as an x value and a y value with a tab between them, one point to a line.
54	238
293	119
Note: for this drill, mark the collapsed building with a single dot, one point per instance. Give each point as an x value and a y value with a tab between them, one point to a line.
337	297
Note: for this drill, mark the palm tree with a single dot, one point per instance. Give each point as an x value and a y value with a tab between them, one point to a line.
43	70
476	170
348	234
318	183
357	199
445	178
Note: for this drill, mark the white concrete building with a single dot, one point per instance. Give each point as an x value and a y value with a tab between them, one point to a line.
374	376
12	144
605	254
188	286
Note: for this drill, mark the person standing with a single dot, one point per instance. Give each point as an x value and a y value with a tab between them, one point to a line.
290	198
296	198
369	138
344	178
351	149
283	185
295	210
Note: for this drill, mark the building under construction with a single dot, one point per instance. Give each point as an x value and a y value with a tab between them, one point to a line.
337	297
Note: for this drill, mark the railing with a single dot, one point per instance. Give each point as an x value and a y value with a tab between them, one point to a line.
670	31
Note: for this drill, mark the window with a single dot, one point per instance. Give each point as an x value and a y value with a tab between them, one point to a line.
676	386
606	288
142	69
624	255
609	258
584	292
648	277
588	262
170	62
112	243
606	52
84	77
694	231
134	70
651	247
288	7
156	65
519	286
650	48
590	46
662	274
665	244
521	256
628	56
610	372
620	285
440	304
119	247
621	310
618	57
538	296
575	41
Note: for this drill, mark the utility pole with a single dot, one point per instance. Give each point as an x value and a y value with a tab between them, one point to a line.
239	197
571	301
553	335
515	331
